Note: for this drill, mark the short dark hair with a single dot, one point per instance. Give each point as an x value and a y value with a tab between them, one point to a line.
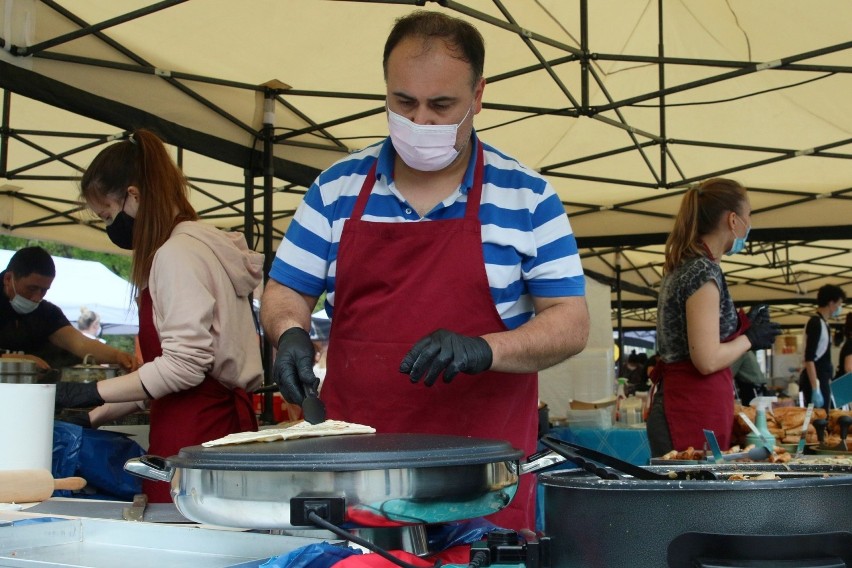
829	293
463	38
32	259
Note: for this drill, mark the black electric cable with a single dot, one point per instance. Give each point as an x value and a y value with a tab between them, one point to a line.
478	559
319	521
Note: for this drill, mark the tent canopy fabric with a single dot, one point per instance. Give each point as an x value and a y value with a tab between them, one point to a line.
80	283
622	105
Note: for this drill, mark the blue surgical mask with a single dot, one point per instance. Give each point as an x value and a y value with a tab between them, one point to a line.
20	304
836	312
739	242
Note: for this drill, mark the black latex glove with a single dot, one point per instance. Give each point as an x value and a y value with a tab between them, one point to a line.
447	352
294	365
758	314
77	395
762	334
80	419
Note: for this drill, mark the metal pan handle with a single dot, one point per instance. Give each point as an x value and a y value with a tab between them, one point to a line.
150	467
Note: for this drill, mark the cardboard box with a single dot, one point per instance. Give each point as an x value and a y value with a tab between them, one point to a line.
591	405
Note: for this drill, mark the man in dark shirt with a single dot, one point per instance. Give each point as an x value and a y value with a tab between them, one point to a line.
815	378
31	326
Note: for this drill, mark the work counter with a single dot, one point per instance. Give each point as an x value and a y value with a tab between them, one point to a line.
100	539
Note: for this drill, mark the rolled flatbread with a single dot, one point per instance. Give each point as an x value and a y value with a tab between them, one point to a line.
301	429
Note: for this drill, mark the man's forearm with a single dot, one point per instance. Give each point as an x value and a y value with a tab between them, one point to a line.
102	352
282	308
556	332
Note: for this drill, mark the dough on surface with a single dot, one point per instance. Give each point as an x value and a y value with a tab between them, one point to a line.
301	429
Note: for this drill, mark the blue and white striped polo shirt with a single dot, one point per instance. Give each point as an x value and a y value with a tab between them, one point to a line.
528	245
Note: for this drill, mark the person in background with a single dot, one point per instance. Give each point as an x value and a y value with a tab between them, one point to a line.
699	333
815	379
634	372
844	362
89	324
30	325
435	250
196	330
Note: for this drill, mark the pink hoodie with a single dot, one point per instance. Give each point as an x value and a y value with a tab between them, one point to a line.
200	282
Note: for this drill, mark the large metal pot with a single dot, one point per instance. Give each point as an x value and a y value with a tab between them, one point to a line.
631	523
89	371
372	480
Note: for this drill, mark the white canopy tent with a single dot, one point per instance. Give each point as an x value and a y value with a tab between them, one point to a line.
87	283
621	104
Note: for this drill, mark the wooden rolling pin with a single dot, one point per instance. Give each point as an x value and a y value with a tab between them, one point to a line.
31	485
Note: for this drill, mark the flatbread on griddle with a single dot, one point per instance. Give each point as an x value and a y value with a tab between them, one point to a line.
301	429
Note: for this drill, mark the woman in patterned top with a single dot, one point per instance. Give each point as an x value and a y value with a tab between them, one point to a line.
699	332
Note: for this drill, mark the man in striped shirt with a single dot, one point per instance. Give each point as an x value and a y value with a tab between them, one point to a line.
441	258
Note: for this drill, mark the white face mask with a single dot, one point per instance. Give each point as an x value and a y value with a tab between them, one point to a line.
20	304
424	147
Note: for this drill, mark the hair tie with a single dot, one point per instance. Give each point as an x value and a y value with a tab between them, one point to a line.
131	139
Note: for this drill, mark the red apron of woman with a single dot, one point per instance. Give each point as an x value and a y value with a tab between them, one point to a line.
187	418
694	402
396	283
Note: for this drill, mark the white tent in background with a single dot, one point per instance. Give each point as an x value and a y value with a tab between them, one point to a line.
622	105
90	284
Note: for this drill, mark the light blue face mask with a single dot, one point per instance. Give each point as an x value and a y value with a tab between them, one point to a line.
739	242
836	312
20	304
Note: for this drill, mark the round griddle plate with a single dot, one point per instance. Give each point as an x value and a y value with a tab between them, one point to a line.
349	453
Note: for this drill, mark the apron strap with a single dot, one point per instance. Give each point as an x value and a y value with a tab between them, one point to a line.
474	195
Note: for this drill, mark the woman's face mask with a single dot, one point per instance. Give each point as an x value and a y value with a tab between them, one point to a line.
120	231
739	242
424	147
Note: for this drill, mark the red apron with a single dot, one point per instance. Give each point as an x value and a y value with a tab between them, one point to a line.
694	402
187	418
396	283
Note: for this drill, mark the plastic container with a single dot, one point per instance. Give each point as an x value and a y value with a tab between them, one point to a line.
26	426
631	411
761	403
620	397
595	418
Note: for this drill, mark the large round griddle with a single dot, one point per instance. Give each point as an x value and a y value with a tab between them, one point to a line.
349	453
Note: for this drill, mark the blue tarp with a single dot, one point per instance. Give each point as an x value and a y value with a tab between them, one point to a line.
98	456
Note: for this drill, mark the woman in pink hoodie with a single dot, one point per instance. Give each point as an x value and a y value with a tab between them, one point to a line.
193	282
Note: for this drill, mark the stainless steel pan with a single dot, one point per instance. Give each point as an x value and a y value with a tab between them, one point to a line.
24	371
370	480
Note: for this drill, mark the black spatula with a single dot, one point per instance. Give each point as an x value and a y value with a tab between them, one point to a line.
312	407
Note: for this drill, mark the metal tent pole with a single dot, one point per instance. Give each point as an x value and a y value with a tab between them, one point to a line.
268	131
618	311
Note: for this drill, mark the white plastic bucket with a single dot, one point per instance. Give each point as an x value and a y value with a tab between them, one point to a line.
26	426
